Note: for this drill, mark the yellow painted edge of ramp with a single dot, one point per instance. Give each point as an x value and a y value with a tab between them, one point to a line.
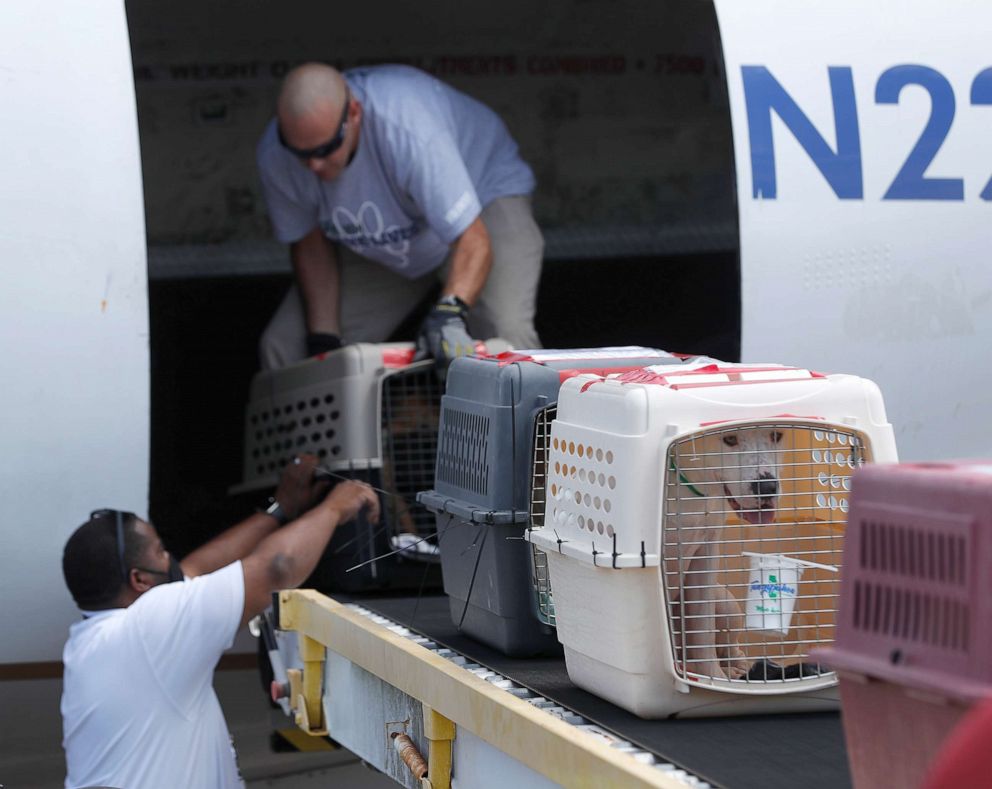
539	740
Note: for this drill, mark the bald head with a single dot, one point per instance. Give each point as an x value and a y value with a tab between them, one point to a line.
318	119
311	91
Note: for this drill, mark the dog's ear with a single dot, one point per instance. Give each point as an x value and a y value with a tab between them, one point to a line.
730	439
776	436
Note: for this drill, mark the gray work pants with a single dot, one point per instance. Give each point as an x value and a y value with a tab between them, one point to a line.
375	300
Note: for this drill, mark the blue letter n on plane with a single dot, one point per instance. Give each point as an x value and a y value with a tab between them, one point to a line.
763	94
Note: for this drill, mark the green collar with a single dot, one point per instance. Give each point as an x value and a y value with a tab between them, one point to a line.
682	477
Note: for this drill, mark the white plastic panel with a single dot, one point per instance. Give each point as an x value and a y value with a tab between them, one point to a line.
477	764
73	306
848	265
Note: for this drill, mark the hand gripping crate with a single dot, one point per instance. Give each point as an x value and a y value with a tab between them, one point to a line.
694	529
481	498
914	637
368	412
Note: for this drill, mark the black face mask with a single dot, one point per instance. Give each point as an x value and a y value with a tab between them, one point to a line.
174	573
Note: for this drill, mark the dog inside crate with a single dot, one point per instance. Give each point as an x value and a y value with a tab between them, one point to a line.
410	415
752	529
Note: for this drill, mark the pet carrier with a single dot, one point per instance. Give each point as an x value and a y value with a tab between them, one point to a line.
487	450
368	412
915	628
694	528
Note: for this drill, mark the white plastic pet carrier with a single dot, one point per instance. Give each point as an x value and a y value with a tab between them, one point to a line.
693	528
336	406
367	411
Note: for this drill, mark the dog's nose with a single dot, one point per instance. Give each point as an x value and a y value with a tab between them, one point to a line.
766	485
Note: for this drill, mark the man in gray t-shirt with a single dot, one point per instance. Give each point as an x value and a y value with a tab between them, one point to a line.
385	181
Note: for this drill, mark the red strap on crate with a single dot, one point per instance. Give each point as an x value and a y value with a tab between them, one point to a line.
401	357
773	416
512	357
397	357
683	379
564	375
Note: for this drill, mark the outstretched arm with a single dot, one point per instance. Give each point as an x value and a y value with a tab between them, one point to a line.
296	492
283	560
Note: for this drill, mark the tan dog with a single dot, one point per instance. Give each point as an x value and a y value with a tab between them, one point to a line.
723	473
409	424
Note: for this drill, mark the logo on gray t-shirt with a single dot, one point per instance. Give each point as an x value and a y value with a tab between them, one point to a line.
367	231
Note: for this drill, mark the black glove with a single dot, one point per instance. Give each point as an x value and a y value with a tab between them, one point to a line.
443	334
322	343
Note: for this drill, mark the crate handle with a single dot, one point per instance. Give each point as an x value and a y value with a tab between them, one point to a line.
803	562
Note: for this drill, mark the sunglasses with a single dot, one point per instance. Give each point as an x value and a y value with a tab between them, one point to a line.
327	148
119	518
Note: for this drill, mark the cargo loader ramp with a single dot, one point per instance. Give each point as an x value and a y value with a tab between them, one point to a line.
378	668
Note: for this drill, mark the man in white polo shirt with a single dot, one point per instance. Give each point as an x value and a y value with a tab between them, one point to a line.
387	183
138	705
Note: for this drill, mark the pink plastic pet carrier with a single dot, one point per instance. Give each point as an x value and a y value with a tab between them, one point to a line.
914	639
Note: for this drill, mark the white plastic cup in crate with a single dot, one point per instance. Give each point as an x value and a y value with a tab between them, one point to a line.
773	588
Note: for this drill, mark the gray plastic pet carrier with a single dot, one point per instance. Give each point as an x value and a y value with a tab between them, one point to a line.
482	495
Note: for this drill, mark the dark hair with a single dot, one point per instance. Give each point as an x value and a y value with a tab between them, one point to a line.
91	561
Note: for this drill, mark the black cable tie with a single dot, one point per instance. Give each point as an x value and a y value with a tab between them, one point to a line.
595	553
615	550
471	583
375	559
643	555
451	517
